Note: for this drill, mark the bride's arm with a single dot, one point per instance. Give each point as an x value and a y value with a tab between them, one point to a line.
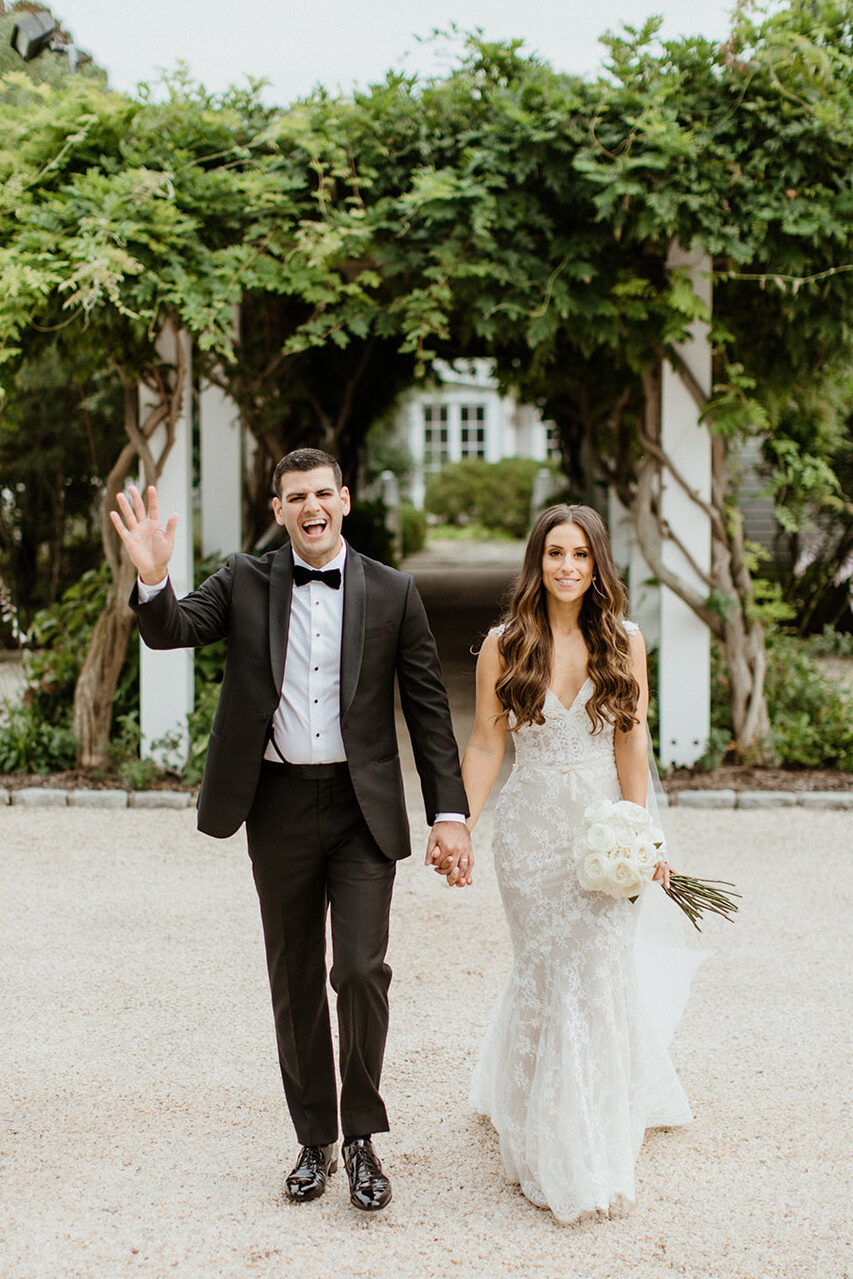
632	748
482	759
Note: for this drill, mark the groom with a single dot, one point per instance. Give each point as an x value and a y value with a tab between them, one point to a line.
304	750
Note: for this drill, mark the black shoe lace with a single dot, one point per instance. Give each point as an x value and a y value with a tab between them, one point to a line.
311	1160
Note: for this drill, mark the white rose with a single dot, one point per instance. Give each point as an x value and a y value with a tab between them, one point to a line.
633	815
597	812
592	871
625	878
600	837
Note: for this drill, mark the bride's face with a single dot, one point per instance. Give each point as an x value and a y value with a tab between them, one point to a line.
567	563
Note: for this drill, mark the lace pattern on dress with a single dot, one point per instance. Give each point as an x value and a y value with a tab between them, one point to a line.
572	1071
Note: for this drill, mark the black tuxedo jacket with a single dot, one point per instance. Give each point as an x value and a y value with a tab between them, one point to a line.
385	634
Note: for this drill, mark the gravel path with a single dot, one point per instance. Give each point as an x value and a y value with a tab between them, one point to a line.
145	1134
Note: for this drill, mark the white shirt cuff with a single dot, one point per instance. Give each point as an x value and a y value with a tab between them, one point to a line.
450	817
146	592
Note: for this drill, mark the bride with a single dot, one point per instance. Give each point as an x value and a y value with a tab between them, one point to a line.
575	1065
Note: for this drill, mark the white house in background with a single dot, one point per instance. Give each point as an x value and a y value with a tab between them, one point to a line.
463	415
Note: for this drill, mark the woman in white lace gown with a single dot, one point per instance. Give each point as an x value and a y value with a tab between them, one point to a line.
574	1068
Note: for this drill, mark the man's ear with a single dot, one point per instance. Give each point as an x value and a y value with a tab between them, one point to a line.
278	511
346	501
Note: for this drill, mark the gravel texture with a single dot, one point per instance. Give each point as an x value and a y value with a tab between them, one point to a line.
145	1132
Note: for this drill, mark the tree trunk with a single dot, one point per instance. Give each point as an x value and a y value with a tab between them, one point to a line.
95	690
96	684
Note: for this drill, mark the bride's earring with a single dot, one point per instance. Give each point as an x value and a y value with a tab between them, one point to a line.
597	588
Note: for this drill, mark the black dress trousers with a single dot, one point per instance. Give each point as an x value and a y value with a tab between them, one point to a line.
311	851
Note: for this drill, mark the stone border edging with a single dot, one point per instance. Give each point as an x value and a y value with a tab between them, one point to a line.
824	799
55	797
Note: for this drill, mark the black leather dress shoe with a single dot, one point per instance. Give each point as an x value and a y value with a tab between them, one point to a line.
313	1169
369	1188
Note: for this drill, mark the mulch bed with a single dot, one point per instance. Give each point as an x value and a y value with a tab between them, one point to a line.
78	779
726	777
738	777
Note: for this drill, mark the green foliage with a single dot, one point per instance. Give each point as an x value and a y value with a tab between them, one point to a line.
60	429
831	643
58	641
30	744
414	528
366	530
505	209
123	751
38	737
811	718
496	495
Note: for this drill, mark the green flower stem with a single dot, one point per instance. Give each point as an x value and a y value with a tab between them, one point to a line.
700	896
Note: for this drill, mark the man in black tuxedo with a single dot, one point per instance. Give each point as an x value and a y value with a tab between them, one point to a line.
304	750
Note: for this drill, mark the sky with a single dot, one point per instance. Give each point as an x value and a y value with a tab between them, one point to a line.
297	44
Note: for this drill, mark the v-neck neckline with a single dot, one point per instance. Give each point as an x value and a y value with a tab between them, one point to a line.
560	701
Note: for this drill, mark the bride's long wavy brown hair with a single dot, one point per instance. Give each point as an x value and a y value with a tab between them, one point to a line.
525	644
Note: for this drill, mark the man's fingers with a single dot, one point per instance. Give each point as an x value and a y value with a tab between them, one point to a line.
126	510
153	505
118	524
170	530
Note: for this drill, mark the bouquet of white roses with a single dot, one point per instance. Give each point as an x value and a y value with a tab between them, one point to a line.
616	848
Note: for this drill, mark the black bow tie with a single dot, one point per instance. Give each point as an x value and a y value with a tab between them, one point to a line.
302	576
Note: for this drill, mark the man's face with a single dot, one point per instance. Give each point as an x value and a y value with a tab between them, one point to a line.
311	507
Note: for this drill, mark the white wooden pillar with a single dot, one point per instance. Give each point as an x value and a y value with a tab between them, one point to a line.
415	427
166	678
644	595
684	689
221	455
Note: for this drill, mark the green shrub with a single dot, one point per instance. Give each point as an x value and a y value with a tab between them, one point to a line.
57	645
811	718
30	744
37	737
366	531
414	528
494	494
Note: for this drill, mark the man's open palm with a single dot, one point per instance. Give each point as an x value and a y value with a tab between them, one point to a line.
149	546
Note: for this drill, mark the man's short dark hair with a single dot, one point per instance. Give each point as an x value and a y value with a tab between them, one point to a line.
305	460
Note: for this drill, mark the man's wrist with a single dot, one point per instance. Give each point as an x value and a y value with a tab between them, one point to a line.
147	590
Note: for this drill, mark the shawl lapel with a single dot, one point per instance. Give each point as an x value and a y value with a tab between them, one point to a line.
352	638
281	585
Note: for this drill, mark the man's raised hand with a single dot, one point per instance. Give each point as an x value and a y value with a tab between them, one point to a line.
149	546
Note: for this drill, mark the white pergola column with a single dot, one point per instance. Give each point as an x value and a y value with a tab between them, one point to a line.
221	455
415	426
644	595
166	677
684	688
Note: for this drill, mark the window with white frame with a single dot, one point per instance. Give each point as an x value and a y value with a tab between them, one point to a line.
436	442
472	430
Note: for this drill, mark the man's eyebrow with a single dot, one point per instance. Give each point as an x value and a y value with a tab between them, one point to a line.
297	497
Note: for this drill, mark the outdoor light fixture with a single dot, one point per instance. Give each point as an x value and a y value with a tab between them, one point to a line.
36	32
32	34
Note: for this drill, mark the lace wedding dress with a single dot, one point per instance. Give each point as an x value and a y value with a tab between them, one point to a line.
575	1064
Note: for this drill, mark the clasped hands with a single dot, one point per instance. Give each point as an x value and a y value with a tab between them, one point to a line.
449	852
